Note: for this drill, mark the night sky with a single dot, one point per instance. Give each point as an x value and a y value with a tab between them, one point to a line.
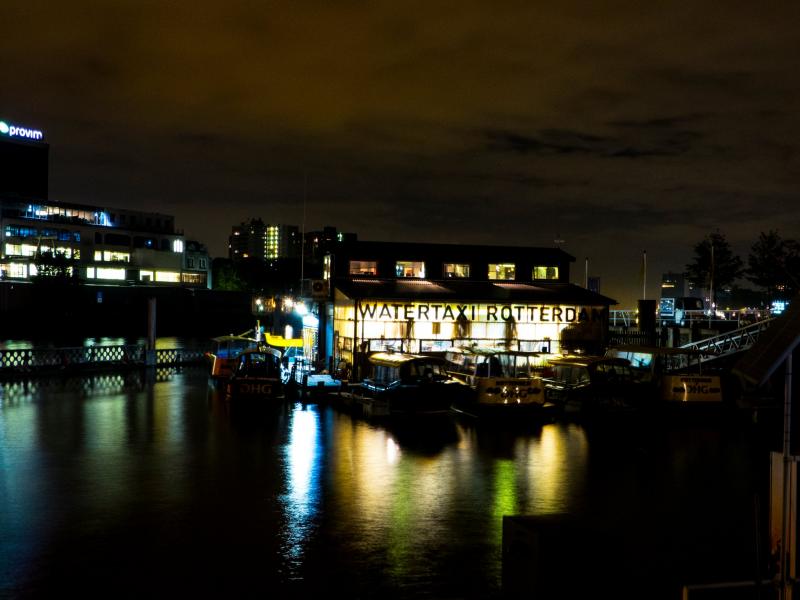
616	126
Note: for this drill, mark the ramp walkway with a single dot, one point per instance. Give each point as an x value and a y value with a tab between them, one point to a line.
731	342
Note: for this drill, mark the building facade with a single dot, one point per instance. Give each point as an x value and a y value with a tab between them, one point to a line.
94	244
426	298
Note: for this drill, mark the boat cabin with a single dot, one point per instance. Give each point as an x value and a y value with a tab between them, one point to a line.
257	373
500	378
410	383
593	383
227	349
676	374
392	368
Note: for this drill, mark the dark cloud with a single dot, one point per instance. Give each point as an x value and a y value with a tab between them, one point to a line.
613	126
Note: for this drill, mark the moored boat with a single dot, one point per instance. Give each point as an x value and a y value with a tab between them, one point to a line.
675	376
595	385
407	385
257	375
503	383
227	349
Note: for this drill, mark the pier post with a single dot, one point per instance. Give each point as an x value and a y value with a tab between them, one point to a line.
150	351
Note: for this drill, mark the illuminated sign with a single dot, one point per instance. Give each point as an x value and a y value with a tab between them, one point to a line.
519	313
15	131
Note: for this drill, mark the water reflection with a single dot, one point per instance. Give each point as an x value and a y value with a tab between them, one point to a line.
303	465
160	483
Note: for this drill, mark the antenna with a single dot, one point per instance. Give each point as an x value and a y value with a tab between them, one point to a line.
303	232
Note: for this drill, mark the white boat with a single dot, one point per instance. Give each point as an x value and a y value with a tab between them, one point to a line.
504	383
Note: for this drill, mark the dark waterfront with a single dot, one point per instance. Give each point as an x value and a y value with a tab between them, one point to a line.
150	486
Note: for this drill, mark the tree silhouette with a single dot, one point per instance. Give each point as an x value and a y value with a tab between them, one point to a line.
715	265
767	263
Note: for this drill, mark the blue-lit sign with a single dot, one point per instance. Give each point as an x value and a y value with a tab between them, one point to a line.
778	306
15	131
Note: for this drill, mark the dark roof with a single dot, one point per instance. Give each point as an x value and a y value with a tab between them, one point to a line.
454	290
421	250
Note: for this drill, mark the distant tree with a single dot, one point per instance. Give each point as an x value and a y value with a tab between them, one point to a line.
791	267
226	276
54	268
715	265
767	263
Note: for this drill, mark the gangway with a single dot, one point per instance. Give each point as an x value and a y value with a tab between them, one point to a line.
729	343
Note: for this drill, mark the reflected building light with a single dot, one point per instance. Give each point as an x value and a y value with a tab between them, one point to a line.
392	451
301	503
559	453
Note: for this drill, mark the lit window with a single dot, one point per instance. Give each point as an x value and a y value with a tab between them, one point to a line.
326	267
18	270
363	267
456	271
193	278
145	276
168	277
106	273
89	272
177	245
111	256
545	272
502	271
408	268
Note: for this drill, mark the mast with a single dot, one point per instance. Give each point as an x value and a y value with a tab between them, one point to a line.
303	233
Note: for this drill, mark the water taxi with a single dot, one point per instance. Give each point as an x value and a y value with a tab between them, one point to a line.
407	384
593	385
502	382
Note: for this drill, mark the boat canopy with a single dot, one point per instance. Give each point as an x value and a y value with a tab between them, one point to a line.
282	342
395	359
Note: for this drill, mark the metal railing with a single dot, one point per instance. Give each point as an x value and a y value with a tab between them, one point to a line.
728	343
90	358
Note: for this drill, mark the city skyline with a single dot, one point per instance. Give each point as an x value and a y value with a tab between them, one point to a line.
617	130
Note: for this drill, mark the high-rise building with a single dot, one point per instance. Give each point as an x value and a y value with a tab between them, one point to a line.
256	239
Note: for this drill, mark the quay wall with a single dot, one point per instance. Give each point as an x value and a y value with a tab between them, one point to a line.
53	313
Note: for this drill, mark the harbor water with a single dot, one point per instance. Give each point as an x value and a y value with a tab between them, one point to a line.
148	484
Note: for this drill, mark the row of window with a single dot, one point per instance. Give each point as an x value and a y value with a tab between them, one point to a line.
201	263
28	250
496	272
120	239
26	270
23	231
